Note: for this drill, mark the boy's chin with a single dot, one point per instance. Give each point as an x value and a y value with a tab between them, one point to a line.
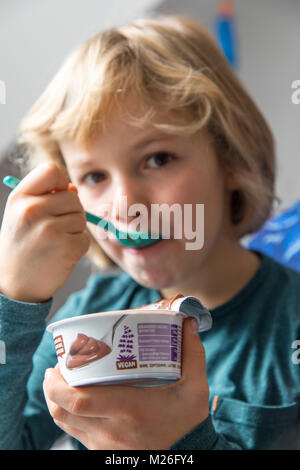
156	279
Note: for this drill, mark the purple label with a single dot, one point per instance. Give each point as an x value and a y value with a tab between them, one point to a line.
159	342
126	345
174	354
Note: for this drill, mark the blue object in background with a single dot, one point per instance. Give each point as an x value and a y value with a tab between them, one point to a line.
279	238
225	30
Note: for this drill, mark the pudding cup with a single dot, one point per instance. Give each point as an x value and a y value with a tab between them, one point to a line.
137	347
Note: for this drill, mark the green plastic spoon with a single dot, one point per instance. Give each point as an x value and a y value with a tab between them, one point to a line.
137	239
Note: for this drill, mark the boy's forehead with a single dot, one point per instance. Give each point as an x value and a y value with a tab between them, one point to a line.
142	121
118	133
136	123
133	125
143	114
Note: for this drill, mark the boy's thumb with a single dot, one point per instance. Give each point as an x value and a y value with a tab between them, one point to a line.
193	353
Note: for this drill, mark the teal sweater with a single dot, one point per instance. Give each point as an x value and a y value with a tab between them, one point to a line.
251	352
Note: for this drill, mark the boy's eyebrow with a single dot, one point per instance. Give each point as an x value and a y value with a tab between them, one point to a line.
150	139
83	161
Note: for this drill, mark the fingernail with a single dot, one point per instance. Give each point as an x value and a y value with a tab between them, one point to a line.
195	326
73	188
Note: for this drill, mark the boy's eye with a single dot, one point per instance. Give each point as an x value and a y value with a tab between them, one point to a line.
93	178
157	160
160	159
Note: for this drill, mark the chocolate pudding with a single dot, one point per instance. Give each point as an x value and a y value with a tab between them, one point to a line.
85	350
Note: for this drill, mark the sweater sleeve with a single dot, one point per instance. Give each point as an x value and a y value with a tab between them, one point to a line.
21	328
205	437
27	350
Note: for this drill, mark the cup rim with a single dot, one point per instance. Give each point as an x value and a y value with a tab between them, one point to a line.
111	313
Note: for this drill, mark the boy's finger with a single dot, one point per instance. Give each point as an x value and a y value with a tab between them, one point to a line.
44	179
193	353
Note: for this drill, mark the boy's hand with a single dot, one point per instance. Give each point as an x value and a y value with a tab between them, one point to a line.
123	417
43	235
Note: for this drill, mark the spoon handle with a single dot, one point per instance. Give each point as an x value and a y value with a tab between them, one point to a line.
94	219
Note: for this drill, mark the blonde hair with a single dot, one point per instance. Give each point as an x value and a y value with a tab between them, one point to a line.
174	63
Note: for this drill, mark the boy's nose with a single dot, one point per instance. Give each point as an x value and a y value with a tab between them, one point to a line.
128	202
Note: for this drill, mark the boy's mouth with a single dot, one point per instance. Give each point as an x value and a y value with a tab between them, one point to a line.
146	249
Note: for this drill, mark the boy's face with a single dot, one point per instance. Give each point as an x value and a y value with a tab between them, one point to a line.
131	165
